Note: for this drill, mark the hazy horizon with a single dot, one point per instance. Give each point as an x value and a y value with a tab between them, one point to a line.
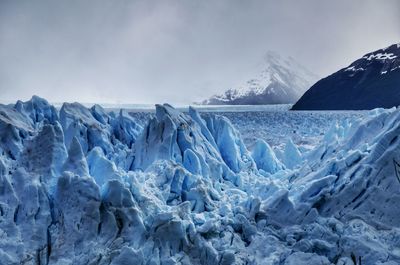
146	52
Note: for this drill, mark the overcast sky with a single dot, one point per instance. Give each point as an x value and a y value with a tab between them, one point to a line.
175	51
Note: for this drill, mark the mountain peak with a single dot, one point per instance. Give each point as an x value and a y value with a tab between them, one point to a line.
369	82
272	57
389	53
393	47
278	80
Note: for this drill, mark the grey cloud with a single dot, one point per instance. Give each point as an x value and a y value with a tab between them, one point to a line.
175	51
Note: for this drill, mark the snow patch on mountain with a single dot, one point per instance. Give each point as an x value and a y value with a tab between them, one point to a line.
380	56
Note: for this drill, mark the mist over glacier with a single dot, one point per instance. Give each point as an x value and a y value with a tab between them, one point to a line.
89	186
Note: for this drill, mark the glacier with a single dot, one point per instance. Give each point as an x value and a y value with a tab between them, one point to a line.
85	185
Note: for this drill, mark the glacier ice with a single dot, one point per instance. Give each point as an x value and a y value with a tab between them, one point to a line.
265	158
88	186
291	155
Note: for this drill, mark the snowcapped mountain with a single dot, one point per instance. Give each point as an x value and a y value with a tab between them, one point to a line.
370	82
279	80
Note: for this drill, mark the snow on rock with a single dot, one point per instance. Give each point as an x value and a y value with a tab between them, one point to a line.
185	190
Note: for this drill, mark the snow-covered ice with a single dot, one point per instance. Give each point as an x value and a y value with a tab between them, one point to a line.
85	185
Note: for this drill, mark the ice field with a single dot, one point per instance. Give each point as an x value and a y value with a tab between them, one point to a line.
272	123
83	185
